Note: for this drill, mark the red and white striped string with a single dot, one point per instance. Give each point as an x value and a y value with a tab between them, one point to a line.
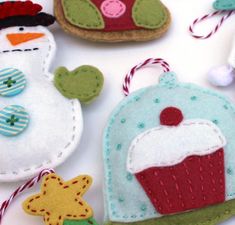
5	205
131	73
227	13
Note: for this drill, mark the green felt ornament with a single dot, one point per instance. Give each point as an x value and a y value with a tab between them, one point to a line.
84	83
90	221
83	13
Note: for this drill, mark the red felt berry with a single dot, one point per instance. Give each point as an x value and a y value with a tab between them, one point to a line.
171	116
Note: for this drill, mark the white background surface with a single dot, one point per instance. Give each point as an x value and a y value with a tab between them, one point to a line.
188	57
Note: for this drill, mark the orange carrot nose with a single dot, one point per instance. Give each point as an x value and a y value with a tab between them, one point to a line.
17	38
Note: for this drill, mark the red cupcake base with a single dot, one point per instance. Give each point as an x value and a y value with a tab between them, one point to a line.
197	182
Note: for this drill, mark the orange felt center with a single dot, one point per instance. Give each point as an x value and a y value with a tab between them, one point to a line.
16	39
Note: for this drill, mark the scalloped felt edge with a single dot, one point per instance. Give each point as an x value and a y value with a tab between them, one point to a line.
100	36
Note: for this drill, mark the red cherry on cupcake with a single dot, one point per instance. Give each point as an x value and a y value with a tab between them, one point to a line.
171	116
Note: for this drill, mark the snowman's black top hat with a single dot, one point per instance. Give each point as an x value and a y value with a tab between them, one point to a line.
19	13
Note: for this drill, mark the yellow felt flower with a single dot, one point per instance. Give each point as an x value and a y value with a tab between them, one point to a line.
59	200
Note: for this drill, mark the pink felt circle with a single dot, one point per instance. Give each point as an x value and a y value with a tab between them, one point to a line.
113	8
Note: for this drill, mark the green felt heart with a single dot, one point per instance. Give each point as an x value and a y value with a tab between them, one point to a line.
84	83
212	215
90	221
224	5
83	13
149	14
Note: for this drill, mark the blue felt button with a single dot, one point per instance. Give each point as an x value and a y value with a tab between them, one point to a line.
12	82
13	120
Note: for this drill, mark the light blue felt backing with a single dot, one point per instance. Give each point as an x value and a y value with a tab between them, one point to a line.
125	199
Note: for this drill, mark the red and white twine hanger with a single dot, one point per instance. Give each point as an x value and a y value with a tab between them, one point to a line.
226	14
151	61
32	182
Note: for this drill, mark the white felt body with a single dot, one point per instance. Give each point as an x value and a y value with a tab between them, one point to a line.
169	145
55	122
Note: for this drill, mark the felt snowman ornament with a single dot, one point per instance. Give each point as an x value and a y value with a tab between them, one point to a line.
169	154
39	126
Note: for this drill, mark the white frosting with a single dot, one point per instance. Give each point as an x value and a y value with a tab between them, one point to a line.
170	145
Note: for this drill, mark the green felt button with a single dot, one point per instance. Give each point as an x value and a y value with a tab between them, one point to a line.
149	14
84	83
83	13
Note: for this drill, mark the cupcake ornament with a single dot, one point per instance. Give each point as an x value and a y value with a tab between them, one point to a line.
168	154
172	163
40	117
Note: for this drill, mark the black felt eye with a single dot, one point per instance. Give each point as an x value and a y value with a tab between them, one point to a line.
21	29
